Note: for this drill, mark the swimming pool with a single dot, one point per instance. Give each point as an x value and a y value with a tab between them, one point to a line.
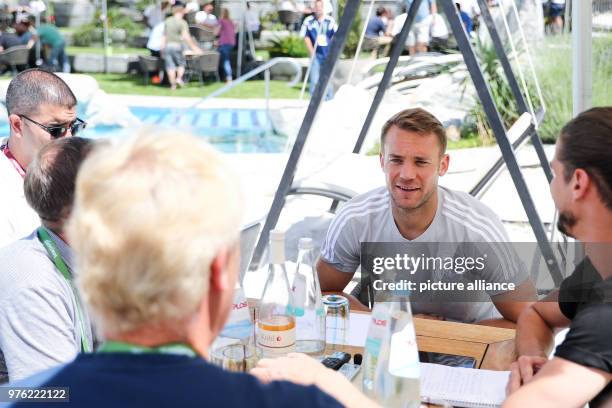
229	130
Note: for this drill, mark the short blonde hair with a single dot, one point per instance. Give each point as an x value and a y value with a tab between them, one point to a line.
150	214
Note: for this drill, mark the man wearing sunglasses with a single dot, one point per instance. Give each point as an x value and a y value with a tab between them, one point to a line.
41	107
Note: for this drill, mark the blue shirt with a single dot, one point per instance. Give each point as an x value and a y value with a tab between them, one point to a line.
376	26
166	380
320	33
467	21
424	9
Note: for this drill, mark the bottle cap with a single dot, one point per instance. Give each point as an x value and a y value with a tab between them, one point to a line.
305	243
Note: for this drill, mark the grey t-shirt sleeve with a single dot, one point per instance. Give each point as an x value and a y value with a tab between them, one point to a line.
341	247
502	265
36	331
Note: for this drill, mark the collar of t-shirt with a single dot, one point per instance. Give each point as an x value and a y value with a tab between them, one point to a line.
428	234
66	252
7	152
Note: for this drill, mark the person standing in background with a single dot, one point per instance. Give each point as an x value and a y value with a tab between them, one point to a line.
176	36
318	31
227	41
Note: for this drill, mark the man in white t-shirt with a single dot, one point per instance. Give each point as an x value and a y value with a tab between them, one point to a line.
413	209
206	17
41	107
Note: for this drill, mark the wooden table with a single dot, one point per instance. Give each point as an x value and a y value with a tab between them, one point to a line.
492	347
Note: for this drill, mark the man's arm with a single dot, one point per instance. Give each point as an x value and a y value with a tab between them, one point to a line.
331	279
535	338
189	40
535	327
37	332
560	383
511	304
309	45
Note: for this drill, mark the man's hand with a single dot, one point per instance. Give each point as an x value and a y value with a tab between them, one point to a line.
523	370
301	369
295	367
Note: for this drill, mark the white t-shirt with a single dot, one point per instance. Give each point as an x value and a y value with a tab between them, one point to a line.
438	28
202	17
459	219
17	218
192	6
155	37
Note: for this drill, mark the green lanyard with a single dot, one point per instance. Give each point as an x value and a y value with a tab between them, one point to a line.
61	266
123	347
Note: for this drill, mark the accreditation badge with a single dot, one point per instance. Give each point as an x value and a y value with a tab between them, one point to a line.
322	40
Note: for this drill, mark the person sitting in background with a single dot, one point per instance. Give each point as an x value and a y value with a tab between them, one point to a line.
206	17
227	41
176	36
192	7
581	370
8	40
160	299
23	32
42	320
377	34
51	38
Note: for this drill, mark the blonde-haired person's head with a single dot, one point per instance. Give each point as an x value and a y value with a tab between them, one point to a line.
150	215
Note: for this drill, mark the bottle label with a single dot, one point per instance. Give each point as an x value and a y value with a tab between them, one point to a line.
276	333
299	293
238	325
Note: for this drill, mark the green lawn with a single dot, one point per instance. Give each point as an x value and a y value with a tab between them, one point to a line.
132	84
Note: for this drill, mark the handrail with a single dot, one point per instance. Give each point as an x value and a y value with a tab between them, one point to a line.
265	67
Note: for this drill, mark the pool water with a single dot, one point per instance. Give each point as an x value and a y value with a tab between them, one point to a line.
229	130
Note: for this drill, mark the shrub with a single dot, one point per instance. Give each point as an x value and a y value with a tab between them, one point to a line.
90	33
352	39
553	64
290	46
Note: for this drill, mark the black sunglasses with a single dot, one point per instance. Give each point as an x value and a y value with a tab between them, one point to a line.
60	131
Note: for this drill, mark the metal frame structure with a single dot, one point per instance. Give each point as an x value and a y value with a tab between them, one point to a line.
484	93
336	47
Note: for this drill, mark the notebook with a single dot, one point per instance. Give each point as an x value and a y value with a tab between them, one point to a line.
463	387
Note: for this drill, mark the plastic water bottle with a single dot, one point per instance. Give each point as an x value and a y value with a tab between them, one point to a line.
234	348
275	322
391	366
308	305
